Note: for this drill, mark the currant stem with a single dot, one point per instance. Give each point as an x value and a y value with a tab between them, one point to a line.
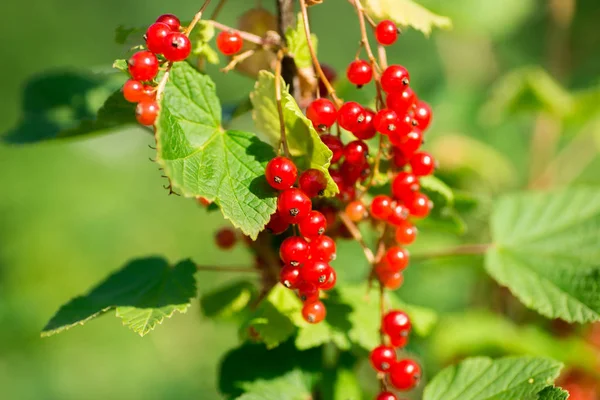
462	250
238	58
225	269
218	9
284	143
247	36
363	33
355	232
313	55
375	168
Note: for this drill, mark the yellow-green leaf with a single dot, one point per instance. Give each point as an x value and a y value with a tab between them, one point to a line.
407	13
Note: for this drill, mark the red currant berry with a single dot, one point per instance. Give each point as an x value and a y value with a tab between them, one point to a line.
406	233
170	20
322	248
351	173
281	173
405	374
359	73
396	258
394	79
422	164
347	194
315	272
312	182
396	323
143	66
293	205
356	211
401	102
381	207
356	152
148	93
322	114
399	158
419	205
386	396
351	116
177	47
410	143
335	145
367	129
203	201
338	178
399	214
314	312
277	224
386	121
390	280
289	276
330	283
382	358
399	341
229	43
225	238
133	91
313	225
155	37
308	292
405	185
386	32
294	251
423	115
146	112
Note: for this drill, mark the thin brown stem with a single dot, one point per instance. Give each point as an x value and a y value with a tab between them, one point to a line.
238	58
462	250
363	33
247	36
196	18
284	143
355	232
218	9
226	269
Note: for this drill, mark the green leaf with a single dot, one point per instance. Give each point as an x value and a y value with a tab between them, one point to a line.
444	214
121	65
482	378
298	45
227	301
68	104
202	159
546	251
123	34
292	386
304	143
203	34
407	13
334	329
341	384
553	393
143	293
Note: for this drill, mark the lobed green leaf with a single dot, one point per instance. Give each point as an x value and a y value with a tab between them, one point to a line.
407	13
297	44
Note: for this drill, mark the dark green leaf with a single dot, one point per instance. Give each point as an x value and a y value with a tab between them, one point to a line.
553	393
123	34
227	301
292	386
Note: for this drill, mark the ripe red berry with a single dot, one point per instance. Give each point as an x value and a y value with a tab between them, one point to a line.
313	225
293	205
394	79
177	47
396	258
281	173
423	115
356	152
419	205
351	173
382	358
316	272
335	145
366	130
422	164
277	224
308	292
401	102
146	112
225	238
322	248
133	91
405	185
399	341
406	233
314	312
356	211
330	282
312	182
386	32
294	251
289	276
410	143
351	116
148	93
390	280
143	66
386	121
322	114
229	43
399	158
171	20
405	374
359	72
399	214
155	37
386	396
396	324
381	207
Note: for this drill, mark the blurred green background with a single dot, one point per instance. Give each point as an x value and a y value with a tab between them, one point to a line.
73	211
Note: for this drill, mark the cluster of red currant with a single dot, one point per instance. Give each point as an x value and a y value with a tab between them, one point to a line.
305	256
165	43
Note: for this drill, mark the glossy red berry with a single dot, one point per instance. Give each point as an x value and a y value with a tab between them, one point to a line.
399	158
308	292
405	185
381	207
386	396
146	112
359	72
143	66
390	280
133	91
396	324
386	32
229	42
281	173
422	164
351	173
170	20
406	233
351	116
148	93
382	358
289	276
177	47
401	102
314	312
312	182
322	114
335	145
331	280
313	225
405	374
155	37
419	205
356	211
423	115
399	341
399	214
386	121
315	272
396	258
293	205
356	152
410	143
394	79
277	224
225	238
366	130
322	248
294	251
